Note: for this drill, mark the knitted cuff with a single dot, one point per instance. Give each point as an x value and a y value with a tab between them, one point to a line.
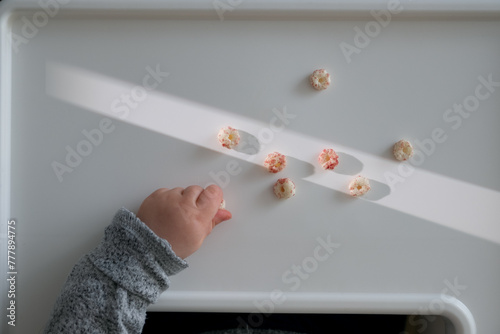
134	257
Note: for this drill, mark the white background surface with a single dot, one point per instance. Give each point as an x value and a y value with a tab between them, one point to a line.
437	226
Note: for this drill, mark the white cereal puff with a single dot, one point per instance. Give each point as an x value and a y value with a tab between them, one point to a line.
284	188
328	158
403	150
320	79
359	186
275	162
229	137
222	204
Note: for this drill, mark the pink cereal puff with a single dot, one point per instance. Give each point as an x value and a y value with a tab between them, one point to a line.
228	137
320	79
284	188
402	150
359	186
275	162
328	159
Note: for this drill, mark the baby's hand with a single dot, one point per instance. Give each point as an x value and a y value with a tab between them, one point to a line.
184	217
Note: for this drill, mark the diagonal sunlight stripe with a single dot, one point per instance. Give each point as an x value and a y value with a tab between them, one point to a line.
449	202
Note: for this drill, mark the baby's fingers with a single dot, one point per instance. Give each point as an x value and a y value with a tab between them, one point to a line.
210	199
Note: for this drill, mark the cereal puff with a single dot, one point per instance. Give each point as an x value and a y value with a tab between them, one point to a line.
402	150
320	79
328	159
284	188
275	162
229	137
359	186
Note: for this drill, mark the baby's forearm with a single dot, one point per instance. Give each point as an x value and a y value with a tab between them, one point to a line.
110	288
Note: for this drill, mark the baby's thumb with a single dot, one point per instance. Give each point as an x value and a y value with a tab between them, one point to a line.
220	216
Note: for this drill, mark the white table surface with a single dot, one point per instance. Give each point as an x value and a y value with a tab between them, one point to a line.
435	229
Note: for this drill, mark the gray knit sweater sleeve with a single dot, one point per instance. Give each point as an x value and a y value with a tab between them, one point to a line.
110	288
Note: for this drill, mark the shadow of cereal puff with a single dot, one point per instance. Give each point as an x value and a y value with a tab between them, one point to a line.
348	164
298	168
249	144
378	191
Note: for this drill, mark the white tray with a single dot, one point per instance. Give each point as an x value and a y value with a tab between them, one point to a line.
428	243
